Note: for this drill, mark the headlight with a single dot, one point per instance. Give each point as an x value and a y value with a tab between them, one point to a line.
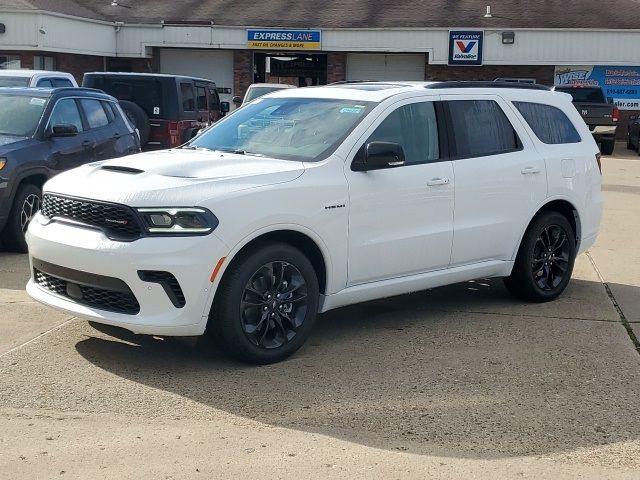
3	162
178	221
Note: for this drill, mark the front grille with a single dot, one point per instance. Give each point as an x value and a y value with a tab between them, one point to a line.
119	222
118	301
168	282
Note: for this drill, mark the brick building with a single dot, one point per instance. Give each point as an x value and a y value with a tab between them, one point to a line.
308	43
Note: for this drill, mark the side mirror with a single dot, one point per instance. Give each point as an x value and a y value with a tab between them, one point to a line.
225	107
237	100
63	130
378	156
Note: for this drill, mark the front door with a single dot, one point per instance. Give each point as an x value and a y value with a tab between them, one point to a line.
70	152
500	178
401	219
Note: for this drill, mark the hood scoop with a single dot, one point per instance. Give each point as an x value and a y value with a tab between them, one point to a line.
120	169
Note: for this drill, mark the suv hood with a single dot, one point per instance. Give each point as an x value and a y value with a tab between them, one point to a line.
7	142
178	177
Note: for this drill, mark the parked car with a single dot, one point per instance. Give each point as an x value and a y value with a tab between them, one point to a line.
46	131
313	199
167	110
598	112
633	133
36	78
256	90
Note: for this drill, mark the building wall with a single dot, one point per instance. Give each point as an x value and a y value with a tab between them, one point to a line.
242	71
542	73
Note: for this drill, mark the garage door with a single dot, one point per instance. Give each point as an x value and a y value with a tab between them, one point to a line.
216	65
385	67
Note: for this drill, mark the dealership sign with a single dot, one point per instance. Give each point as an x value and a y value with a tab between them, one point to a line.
622	84
465	48
284	39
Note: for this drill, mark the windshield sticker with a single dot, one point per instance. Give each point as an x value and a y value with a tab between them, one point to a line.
354	109
37	101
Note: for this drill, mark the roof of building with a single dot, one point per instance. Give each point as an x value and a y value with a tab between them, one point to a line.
618	14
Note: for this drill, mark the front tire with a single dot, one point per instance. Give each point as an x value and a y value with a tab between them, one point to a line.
544	263
26	204
608	146
267	304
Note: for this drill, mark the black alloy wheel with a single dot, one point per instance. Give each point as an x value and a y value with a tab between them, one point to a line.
274	305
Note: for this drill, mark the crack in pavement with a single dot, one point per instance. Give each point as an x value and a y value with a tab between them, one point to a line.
531	315
616	305
28	342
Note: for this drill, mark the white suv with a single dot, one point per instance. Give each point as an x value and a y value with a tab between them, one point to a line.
310	199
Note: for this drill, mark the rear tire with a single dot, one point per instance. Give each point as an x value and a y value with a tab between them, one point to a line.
608	146
26	204
266	305
544	263
139	118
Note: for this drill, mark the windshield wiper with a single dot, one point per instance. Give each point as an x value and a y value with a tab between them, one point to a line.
193	147
239	151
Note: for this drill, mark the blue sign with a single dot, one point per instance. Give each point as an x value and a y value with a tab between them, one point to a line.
622	84
284	39
465	48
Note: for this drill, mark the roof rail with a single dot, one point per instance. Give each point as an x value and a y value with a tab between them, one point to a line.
486	84
84	89
342	82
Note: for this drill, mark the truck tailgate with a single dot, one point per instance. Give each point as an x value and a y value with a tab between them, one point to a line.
596	113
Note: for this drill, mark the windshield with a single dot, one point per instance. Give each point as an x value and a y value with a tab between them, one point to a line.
14	81
584	95
306	129
255	92
20	114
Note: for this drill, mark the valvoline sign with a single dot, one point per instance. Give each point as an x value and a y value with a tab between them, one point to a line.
465	48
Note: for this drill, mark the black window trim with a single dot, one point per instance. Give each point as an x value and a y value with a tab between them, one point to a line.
85	119
451	136
85	124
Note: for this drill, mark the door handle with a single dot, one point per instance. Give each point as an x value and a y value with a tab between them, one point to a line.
86	143
438	181
116	135
530	170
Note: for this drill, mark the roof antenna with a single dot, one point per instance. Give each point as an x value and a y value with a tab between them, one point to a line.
488	14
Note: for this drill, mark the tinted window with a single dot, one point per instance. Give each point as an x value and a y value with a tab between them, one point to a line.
584	94
147	93
481	128
202	98
66	112
44	83
414	127
188	103
14	81
214	100
96	116
109	108
549	123
61	82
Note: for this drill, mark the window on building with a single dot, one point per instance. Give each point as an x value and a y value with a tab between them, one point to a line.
202	98
42	62
413	126
481	128
9	62
93	110
66	113
549	123
188	101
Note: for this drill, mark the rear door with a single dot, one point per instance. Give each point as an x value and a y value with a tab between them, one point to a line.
500	178
100	122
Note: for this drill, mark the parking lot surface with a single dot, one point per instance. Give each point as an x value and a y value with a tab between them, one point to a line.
456	382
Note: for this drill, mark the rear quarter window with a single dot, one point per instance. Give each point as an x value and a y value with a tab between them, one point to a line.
148	93
549	123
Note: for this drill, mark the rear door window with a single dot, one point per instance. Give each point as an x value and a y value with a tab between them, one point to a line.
66	112
187	95
94	112
549	123
201	97
214	99
480	128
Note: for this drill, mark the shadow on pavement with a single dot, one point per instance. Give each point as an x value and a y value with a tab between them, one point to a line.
419	373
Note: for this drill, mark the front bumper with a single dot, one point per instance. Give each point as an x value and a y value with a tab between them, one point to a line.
190	259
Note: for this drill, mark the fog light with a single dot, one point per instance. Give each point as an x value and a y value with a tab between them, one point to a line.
161	219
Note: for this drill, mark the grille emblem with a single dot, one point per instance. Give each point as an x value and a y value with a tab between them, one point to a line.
584	113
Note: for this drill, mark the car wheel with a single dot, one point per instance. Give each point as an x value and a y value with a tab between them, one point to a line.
266	305
545	259
608	146
138	118
26	204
